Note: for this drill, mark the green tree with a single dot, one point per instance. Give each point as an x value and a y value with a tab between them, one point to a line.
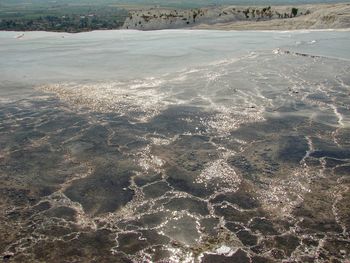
294	11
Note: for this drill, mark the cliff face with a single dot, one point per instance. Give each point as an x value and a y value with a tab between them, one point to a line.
154	19
240	17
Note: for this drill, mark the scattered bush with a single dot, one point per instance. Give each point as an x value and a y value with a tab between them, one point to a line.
294	11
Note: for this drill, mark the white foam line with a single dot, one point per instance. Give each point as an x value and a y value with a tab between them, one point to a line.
340	123
339	116
308	152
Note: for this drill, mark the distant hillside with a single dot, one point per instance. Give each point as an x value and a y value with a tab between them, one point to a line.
168	3
63	18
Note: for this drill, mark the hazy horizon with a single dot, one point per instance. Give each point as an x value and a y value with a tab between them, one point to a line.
172	2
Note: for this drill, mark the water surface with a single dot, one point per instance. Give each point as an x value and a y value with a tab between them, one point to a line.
175	146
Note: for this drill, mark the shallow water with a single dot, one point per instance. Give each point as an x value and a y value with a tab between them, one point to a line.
175	146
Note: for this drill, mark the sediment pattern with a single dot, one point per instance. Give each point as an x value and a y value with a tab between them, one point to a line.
246	160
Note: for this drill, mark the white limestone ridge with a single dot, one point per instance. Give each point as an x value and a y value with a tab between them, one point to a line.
316	16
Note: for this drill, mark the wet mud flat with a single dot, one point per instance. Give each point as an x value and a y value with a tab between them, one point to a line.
242	161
